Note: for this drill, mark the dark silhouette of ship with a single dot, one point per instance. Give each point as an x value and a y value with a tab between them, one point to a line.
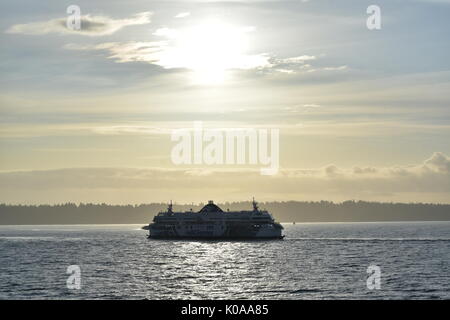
211	222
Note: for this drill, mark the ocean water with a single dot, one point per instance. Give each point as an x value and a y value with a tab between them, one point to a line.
314	261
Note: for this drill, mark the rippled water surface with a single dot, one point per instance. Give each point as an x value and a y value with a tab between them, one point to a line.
314	261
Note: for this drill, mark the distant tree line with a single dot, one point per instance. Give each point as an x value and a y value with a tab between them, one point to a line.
289	211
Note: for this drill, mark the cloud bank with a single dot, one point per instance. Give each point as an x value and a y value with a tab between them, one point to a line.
428	181
90	25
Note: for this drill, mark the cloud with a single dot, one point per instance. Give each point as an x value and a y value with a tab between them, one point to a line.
165	32
289	65
90	25
183	15
132	130
311	105
208	49
294	60
126	52
305	108
438	162
427	181
335	68
164	54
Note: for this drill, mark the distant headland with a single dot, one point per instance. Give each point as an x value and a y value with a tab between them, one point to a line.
287	211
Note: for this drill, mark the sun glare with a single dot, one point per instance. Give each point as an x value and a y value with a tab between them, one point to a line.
209	50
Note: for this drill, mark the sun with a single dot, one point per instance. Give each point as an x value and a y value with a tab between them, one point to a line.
209	50
212	49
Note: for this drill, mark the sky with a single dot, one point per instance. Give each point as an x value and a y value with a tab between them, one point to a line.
87	115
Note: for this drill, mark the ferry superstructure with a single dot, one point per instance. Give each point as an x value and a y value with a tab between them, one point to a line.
211	222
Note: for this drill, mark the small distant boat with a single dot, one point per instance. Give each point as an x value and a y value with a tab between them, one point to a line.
211	222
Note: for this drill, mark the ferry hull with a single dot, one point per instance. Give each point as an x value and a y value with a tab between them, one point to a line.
213	238
173	232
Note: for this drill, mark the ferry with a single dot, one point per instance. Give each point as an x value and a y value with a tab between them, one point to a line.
211	222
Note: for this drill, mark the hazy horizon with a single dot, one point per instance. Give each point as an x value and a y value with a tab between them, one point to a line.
201	203
349	211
